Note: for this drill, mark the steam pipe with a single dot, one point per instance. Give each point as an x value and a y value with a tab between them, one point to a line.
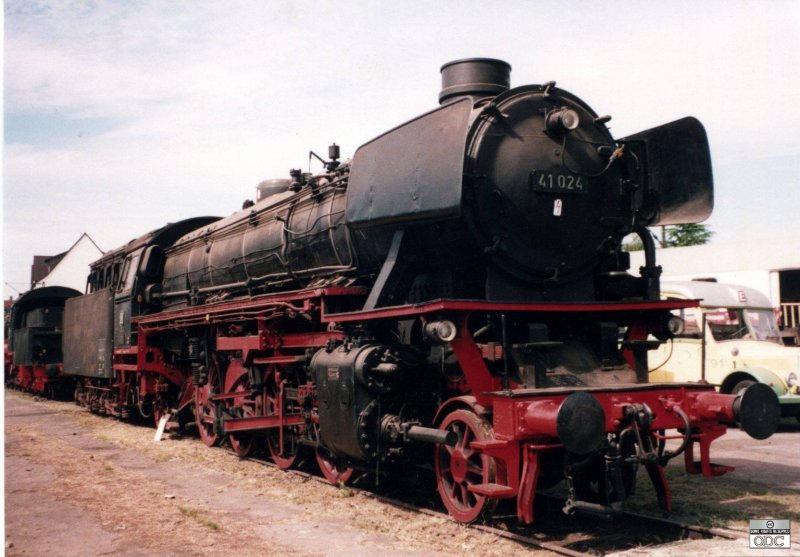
650	272
703	346
666	456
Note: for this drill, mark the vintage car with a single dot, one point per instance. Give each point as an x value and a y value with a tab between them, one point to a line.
731	340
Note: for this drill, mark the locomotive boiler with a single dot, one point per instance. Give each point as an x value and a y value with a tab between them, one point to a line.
460	285
499	194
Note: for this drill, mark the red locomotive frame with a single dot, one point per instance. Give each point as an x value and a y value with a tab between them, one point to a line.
32	351
40	379
502	432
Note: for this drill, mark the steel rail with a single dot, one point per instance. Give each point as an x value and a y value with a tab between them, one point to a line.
691	530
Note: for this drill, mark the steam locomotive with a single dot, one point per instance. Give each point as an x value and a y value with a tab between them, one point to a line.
33	358
455	295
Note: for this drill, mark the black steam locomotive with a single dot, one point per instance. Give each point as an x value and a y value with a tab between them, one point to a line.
457	291
33	338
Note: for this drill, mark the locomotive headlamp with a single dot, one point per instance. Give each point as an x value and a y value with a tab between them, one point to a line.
676	325
562	120
441	331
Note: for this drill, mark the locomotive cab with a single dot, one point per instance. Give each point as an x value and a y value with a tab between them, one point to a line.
101	341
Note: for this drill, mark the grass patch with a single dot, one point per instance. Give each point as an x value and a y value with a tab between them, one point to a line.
343	490
197	516
717	501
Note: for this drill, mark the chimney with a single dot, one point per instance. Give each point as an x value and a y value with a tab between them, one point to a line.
476	77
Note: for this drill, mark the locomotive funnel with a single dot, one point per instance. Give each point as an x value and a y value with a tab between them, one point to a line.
480	77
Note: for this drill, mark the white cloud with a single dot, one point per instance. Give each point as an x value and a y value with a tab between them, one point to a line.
203	99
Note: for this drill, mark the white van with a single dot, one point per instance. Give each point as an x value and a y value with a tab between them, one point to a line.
742	343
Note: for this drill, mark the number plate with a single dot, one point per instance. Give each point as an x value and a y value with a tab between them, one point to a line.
557	182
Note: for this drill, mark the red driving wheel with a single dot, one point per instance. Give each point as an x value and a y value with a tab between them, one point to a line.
284	455
244	406
460	467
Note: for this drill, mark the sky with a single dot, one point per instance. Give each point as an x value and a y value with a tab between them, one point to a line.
122	116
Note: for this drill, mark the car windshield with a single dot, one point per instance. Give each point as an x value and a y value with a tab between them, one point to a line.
746	324
762	324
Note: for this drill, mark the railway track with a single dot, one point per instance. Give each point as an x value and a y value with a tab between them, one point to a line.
573	536
590	537
599	539
552	531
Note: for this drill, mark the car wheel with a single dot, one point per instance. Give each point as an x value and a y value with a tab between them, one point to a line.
741	386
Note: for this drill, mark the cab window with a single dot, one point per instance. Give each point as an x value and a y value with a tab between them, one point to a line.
691	326
762	325
726	323
115	276
132	265
123	274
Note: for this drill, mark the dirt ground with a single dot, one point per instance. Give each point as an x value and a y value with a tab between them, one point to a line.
79	484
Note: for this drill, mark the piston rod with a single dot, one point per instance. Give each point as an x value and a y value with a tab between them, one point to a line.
431	435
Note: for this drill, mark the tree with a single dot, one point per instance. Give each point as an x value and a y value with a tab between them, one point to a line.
672	237
687	235
632	242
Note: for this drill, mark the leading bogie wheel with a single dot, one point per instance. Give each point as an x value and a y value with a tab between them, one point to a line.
205	411
460	467
334	469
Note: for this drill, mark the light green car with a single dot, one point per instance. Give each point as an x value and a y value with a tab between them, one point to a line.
742	343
